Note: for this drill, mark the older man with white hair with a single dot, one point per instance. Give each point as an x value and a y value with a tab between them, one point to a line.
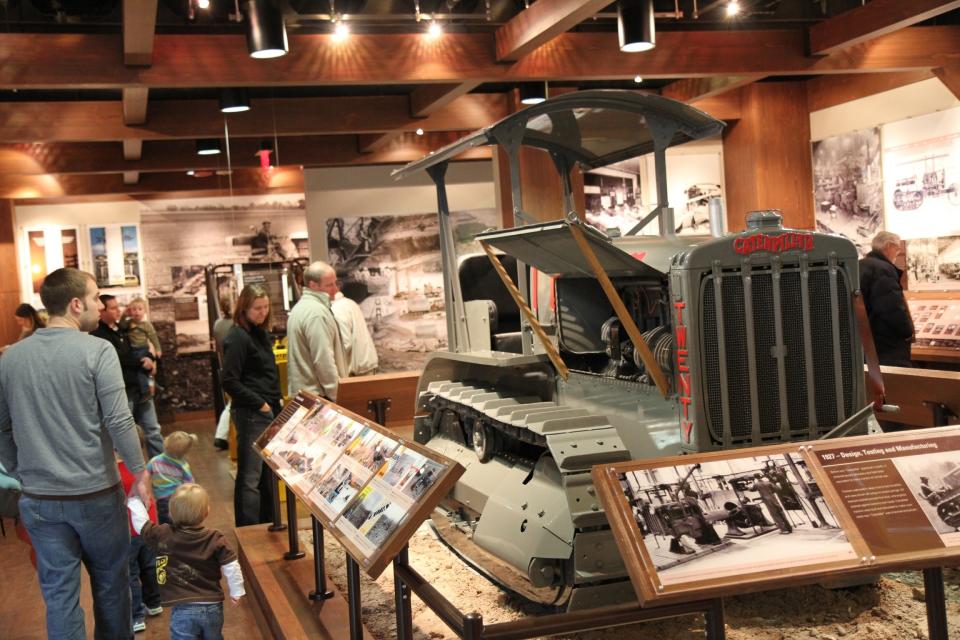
315	357
887	309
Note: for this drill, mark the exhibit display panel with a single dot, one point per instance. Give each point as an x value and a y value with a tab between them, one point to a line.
366	486
696	526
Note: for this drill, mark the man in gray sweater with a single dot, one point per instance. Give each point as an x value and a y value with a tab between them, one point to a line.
63	411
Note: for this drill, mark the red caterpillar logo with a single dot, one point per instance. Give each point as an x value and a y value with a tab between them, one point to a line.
745	245
683	372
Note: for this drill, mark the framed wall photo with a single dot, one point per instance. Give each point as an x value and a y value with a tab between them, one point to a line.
368	487
115	255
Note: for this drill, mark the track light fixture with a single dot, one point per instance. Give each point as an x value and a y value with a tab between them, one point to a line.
635	25
637	79
203	4
266	32
733	8
234	100
208	147
434	30
533	92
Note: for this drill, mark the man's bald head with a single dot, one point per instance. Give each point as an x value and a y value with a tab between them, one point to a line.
320	276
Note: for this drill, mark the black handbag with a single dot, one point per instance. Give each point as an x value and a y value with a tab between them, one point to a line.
9	499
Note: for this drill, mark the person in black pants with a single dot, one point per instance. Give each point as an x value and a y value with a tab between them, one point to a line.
251	378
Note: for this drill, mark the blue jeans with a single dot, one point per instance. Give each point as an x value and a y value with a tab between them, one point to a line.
96	532
144	590
144	378
145	415
252	494
197	622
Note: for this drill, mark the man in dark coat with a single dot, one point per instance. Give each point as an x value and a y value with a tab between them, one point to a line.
887	309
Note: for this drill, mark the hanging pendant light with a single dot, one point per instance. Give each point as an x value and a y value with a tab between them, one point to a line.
234	100
208	147
635	25
533	92
266	32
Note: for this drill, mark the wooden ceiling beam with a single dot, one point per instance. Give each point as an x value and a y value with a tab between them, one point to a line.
725	106
830	91
949	75
139	26
541	22
30	187
135	105
872	20
424	101
89	158
691	90
69	60
101	121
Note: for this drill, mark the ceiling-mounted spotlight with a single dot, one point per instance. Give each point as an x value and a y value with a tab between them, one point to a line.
341	31
191	172
234	100
533	92
208	147
637	79
434	30
635	25
419	131
203	4
266	32
733	8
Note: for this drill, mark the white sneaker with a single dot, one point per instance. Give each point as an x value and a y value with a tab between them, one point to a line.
154	611
139	626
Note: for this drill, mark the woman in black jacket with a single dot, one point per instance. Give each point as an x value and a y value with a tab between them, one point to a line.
251	378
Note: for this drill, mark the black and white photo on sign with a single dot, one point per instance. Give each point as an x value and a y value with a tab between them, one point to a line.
391	266
921	170
933	263
371	449
738	516
848	186
934	482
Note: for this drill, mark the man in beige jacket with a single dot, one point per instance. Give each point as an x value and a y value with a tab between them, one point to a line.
315	357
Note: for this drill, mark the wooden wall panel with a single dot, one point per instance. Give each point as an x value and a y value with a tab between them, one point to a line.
10	280
766	155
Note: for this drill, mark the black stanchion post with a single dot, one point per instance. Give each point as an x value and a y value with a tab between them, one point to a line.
294	553
275	489
401	599
319	564
353	599
472	626
716	629
936	603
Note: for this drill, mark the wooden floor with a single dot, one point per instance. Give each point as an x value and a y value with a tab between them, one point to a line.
21	604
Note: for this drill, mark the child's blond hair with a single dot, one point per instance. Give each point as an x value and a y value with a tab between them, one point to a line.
189	505
178	444
140	301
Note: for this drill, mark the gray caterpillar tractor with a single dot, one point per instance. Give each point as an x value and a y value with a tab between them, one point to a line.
655	345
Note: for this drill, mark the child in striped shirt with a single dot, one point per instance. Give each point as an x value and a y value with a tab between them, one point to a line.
169	470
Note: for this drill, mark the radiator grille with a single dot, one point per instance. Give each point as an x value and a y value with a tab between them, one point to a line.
736	366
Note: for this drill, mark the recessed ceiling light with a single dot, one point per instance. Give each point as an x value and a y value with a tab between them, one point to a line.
637	79
419	131
208	147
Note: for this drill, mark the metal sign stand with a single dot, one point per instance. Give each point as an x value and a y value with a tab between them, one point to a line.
933	595
470	626
320	592
295	553
275	490
353	598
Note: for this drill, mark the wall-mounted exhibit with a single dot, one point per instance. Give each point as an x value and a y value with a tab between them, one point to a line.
391	266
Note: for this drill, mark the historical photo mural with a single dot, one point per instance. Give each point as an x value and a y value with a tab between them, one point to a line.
391	266
848	186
